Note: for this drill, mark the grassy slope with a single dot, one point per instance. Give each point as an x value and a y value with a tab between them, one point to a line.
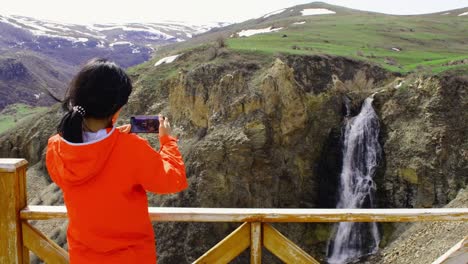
427	41
16	113
430	41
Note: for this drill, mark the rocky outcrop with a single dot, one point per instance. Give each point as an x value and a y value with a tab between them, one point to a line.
260	132
10	69
318	73
251	137
29	138
32	80
425	141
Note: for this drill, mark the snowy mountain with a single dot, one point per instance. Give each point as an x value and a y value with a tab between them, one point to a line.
38	57
76	43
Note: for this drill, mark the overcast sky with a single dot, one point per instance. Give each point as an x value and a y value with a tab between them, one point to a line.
95	11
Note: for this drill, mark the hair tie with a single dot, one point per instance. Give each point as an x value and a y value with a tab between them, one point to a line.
80	110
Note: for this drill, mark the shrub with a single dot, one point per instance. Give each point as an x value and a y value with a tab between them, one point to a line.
221	42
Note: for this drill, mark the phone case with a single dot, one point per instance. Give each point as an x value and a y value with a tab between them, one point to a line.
144	124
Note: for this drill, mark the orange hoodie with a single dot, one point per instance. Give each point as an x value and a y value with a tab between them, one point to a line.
104	186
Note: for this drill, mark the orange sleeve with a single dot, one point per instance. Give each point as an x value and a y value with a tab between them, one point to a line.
164	171
51	162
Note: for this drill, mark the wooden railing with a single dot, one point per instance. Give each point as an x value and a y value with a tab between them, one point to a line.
18	237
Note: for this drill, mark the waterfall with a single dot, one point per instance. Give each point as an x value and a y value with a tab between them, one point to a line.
361	152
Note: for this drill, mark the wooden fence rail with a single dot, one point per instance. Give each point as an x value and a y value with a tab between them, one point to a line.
193	214
18	236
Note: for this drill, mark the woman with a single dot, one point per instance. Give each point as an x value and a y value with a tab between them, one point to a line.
104	172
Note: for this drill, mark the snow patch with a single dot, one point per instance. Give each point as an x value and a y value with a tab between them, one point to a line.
274	13
5	20
34	27
463	14
40	29
55	26
444	14
82	40
169	59
120	43
71	39
137	28
299	23
251	32
317	11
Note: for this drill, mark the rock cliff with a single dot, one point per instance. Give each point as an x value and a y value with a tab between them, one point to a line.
265	132
425	140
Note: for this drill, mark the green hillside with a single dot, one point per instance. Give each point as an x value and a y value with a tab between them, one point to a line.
433	42
16	113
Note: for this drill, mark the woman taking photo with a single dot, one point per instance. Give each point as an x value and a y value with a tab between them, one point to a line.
104	172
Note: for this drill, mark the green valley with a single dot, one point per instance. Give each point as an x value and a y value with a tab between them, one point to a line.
16	113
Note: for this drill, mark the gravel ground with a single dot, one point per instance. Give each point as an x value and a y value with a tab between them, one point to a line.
423	243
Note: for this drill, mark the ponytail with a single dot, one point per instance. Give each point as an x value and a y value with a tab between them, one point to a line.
101	88
71	125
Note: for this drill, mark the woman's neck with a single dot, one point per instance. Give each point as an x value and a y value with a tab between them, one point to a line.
94	125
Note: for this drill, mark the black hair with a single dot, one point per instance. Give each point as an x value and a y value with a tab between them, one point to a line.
100	88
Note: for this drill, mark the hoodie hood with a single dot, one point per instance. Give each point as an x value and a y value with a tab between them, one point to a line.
76	163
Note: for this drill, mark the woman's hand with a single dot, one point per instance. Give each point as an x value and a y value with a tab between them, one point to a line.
164	126
125	128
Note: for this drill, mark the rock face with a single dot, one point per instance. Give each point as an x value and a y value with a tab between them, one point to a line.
252	137
260	132
29	138
425	141
32	80
13	70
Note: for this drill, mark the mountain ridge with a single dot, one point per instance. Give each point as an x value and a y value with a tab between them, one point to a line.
49	53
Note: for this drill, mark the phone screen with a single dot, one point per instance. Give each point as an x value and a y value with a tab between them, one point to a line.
144	124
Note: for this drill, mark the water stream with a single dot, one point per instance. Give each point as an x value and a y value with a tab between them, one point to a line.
361	153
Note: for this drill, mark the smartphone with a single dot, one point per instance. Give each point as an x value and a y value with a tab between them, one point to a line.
144	124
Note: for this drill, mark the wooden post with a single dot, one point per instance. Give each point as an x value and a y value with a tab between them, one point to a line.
284	248
12	200
46	249
229	248
457	254
256	243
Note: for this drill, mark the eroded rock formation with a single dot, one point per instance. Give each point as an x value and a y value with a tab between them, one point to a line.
266	133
